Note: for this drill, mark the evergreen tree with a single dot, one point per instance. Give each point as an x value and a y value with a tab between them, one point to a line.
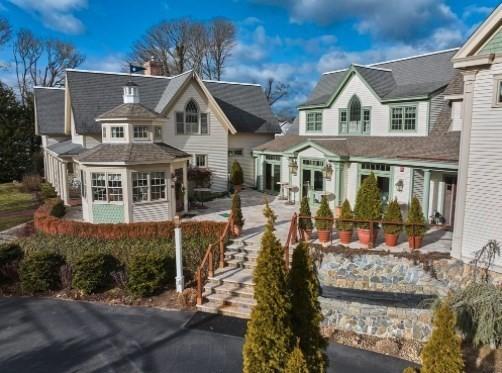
324	212
368	205
236	174
306	314
306	223
269	339
393	214
296	362
18	142
237	211
415	216
345	213
442	353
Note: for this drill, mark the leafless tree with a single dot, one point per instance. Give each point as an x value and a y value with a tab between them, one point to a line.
42	62
198	47
221	43
274	90
5	30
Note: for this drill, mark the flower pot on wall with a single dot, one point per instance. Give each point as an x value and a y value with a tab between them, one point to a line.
415	242
364	236
324	235
237	230
391	239
345	237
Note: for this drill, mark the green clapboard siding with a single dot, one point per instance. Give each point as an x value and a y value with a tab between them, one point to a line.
494	45
107	213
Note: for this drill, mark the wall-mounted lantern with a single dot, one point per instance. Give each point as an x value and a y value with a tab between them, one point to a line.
328	171
293	166
399	185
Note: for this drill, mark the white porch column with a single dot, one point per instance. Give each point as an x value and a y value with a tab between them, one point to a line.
170	193
65	189
427	188
127	196
185	186
441	196
338	183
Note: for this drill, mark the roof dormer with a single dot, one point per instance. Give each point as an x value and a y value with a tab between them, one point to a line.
131	93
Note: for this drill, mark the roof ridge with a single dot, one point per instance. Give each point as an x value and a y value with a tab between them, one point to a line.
227	82
334	71
43	87
415	56
127	74
371	67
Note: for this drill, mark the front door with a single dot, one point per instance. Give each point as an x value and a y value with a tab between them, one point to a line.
272	177
312	180
383	183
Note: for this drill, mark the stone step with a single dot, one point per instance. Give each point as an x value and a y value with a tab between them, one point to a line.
227	310
241	263
231	300
233	275
229	288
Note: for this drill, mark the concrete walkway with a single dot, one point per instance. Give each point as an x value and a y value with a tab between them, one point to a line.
45	335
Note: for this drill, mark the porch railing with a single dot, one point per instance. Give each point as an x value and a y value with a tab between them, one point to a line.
292	238
215	255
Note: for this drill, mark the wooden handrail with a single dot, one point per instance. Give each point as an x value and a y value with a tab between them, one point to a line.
208	258
292	238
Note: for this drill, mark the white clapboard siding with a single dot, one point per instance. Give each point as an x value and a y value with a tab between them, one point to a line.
246	142
379	113
154	211
214	145
483	205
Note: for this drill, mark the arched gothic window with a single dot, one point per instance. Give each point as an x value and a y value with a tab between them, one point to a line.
355	109
192	117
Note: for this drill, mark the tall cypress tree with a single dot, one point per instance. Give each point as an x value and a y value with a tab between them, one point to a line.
306	313
269	339
296	362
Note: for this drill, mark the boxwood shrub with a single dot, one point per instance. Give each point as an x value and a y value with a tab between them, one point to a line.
10	256
149	272
92	272
39	271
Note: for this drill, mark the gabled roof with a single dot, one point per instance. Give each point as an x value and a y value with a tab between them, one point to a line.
132	153
66	148
406	78
49	110
133	111
94	93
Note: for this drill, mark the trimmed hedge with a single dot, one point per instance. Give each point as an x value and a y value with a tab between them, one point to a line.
149	272
39	271
91	272
10	255
46	222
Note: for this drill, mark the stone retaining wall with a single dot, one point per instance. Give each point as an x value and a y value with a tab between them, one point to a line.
380	321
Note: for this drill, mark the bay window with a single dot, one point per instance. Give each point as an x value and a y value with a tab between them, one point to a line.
140	132
117	132
106	187
148	186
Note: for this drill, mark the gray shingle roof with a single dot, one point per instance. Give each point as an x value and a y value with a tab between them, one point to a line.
132	153
131	111
49	110
66	148
93	93
409	77
427	148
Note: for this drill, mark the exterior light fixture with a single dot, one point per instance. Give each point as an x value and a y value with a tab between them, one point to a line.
293	166
328	171
399	185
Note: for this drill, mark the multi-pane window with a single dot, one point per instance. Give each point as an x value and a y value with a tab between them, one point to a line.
98	186
139	186
191	118
201	160
204	123
375	167
140	132
180	123
314	122
343	121
270	157
157	186
366	120
498	97
148	186
117	132
235	152
403	118
192	121
355	109
114	187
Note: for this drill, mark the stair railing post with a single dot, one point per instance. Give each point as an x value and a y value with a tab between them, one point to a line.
199	287
222	254
210	259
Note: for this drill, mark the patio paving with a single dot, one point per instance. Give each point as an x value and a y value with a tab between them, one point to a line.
253	202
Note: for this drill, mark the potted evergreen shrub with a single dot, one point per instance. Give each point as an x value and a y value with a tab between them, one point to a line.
236	176
392	214
345	228
237	212
415	232
305	224
324	226
368	207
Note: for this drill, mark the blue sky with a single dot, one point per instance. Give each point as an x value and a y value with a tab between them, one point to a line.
291	40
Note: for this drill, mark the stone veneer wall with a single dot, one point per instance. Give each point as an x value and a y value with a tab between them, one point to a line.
387	273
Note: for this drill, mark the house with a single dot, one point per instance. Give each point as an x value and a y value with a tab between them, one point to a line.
479	198
390	119
118	137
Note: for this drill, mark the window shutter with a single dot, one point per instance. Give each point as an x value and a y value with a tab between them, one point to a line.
204	123
180	123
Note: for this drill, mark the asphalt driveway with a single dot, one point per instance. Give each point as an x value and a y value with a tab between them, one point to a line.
46	335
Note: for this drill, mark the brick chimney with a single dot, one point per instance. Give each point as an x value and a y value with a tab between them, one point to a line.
152	67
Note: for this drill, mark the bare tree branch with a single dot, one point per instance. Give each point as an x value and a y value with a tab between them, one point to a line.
274	91
221	43
5	31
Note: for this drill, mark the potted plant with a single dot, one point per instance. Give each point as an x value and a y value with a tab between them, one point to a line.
344	227
415	227
238	222
324	226
392	215
305	223
236	176
368	207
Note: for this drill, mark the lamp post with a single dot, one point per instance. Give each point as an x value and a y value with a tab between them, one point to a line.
328	171
180	280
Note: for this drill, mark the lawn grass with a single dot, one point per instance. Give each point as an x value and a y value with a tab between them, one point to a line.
13	204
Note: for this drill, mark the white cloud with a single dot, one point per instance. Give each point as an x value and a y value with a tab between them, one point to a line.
56	14
111	63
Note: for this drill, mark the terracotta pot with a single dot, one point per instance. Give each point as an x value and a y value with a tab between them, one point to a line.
324	235
345	237
237	230
364	236
415	242
237	188
307	234
391	239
